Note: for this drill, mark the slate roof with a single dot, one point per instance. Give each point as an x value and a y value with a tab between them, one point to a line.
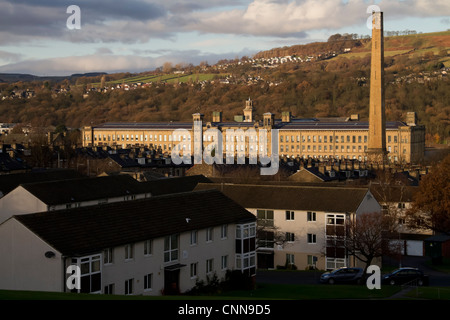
173	185
9	182
84	189
389	193
87	230
315	124
329	199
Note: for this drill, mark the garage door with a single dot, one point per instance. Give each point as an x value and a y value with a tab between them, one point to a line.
414	248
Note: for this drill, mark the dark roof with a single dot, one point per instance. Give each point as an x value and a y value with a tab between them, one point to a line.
173	185
8	164
314	172
9	182
389	193
309	124
316	124
331	199
144	125
84	189
438	238
91	229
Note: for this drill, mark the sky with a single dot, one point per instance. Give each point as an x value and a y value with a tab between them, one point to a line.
40	36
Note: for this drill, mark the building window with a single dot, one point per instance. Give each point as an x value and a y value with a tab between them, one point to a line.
265	218
109	289
148	281
335	263
289	215
335	219
194	234
245	261
224	231
194	267
311	260
209	265
148	247
90	268
129	286
209	234
311	238
311	216
290	237
224	263
129	248
171	248
108	256
290	258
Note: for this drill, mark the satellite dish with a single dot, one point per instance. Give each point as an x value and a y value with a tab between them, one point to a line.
49	254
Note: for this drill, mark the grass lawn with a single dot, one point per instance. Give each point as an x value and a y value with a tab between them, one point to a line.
315	292
262	292
430	293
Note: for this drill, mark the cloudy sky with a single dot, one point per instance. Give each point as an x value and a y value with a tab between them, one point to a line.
139	35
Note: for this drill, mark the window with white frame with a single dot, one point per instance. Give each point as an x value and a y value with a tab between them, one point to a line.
311	216
311	238
194	235
129	251
109	289
224	262
193	269
245	261
90	268
289	215
209	265
224	231
148	281
290	237
108	256
129	286
209	234
148	247
171	248
265	218
290	258
335	263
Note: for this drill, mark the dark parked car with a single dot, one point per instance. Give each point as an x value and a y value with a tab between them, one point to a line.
343	275
406	275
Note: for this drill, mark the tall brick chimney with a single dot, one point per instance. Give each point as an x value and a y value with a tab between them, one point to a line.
377	119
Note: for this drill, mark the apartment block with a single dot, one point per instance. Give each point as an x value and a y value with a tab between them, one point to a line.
160	245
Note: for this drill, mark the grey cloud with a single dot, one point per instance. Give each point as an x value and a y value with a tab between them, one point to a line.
9	56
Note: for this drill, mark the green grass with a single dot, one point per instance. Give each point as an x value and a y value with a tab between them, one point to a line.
169	78
261	292
306	292
429	293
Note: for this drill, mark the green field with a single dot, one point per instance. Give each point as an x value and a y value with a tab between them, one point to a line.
262	292
167	78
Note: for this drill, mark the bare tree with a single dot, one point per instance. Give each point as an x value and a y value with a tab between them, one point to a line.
364	238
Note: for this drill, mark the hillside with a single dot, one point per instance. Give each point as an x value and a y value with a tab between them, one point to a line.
417	80
400	44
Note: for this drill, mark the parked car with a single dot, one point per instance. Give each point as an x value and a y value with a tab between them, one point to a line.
343	275
406	275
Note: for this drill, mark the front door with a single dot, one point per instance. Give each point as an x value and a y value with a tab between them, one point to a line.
172	282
